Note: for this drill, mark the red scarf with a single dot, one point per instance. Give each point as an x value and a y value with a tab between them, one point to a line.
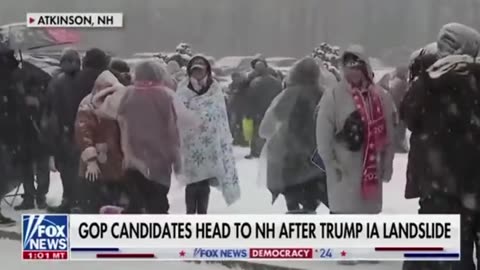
369	104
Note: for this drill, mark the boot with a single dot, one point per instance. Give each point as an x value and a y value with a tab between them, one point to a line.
41	203
6	222
63	208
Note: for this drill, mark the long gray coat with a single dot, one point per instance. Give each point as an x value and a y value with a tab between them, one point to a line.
344	168
289	127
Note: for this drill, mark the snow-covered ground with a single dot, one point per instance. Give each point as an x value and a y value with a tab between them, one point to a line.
255	200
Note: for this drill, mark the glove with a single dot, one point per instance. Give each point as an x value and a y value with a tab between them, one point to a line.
51	164
93	171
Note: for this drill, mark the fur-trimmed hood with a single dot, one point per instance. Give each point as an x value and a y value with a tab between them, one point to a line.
358	51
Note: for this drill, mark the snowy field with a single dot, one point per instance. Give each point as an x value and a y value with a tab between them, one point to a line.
255	200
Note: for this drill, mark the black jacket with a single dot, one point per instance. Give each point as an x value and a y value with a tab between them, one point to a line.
444	117
262	91
34	122
10	108
66	91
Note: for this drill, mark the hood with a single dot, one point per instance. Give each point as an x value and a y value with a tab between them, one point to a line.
456	38
422	59
173	67
430	49
304	71
190	63
359	52
104	81
257	58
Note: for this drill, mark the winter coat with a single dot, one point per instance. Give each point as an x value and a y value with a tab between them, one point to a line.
262	90
67	91
148	124
62	111
328	79
417	160
398	89
440	149
98	138
207	151
344	168
384	82
442	114
10	99
238	101
289	127
35	137
61	106
11	104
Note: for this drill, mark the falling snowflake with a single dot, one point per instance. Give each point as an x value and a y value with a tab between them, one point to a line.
469	201
453	109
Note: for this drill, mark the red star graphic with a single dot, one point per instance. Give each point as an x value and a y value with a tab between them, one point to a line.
343	253
182	253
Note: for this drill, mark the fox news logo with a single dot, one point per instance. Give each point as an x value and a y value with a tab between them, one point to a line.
45	237
220	253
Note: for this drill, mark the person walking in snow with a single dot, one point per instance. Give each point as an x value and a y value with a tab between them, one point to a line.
441	108
289	128
10	126
398	88
150	142
237	103
68	91
207	152
35	139
263	89
99	142
355	138
417	167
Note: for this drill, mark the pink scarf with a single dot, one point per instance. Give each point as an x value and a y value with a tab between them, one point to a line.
369	104
147	84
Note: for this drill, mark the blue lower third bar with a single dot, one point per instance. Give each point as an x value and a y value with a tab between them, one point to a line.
431	255
94	249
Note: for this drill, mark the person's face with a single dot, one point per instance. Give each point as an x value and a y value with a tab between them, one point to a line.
70	64
354	75
199	73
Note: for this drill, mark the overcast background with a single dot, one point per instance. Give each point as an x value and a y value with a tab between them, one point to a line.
271	27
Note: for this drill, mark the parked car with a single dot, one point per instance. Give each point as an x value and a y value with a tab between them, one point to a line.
282	64
231	64
146	55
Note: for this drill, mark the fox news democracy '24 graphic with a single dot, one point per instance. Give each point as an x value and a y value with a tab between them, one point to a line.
241	237
45	237
214	253
76	20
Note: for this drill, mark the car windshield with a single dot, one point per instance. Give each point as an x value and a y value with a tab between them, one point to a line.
233	61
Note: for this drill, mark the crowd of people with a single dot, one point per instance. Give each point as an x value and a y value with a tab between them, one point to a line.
116	135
